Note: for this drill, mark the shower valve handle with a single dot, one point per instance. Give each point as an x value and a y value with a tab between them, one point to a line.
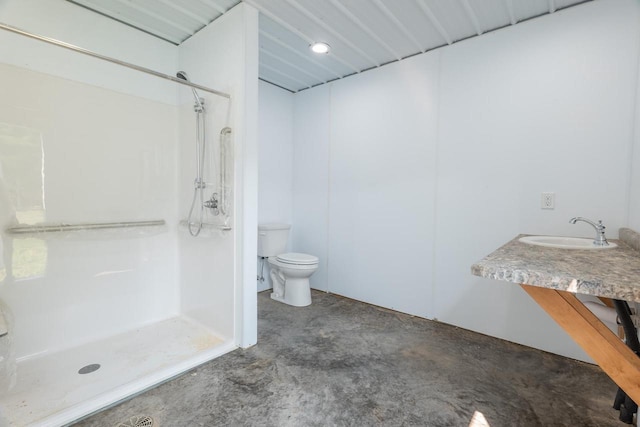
212	203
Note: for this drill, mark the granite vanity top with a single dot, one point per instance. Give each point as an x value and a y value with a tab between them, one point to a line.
611	273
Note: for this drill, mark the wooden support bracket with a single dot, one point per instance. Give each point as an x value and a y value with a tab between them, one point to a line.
609	352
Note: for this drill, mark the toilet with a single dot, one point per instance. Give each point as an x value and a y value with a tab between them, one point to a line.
290	271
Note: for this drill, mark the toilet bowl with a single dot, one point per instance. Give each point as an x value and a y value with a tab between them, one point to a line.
290	274
290	271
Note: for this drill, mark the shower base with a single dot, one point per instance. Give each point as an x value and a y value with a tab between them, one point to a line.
49	390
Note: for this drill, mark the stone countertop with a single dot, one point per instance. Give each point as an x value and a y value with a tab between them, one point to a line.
611	273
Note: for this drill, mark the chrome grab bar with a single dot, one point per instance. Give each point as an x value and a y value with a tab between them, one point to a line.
208	226
224	146
48	228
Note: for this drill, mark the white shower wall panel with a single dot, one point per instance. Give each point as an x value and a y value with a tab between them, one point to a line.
221	265
206	275
76	153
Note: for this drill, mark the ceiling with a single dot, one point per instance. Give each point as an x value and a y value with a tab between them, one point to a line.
363	34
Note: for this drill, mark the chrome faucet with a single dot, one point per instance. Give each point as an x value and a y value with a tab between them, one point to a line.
600	240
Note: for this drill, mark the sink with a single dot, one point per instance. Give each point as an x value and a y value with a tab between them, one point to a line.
564	242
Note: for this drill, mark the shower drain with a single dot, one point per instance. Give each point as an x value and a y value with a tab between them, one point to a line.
89	368
141	421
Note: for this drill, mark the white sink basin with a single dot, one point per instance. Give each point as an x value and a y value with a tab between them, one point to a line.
564	242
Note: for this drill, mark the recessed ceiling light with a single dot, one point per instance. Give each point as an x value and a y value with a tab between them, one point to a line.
320	47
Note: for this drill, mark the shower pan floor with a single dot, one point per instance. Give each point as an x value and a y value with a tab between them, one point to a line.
50	391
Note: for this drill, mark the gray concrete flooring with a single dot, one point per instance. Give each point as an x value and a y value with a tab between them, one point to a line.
344	363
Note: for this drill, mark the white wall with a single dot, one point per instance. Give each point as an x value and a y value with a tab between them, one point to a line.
308	161
436	161
224	57
634	188
275	152
275	168
382	185
527	110
312	118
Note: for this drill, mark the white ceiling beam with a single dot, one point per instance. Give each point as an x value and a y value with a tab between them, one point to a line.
291	64
471	14
322	24
285	75
299	33
552	6
435	21
398	24
174	6
364	28
214	5
295	51
144	10
512	14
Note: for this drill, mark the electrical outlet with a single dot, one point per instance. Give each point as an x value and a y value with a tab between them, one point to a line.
548	201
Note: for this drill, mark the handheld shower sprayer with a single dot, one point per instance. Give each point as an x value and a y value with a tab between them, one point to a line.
199	184
199	101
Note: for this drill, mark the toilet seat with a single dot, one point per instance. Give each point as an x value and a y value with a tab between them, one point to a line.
294	258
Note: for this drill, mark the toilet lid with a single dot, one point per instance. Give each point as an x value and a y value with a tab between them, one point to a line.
296	258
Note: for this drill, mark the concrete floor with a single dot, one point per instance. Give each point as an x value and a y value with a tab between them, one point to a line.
344	363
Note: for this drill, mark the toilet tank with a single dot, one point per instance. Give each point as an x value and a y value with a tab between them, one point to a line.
272	239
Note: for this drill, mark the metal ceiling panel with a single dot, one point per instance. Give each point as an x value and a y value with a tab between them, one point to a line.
561	4
347	25
273	76
528	9
491	14
223	6
301	22
418	20
196	8
273	29
375	19
169	15
284	68
136	17
453	18
363	34
311	66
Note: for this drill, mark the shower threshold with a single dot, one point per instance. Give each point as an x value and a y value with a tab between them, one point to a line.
50	390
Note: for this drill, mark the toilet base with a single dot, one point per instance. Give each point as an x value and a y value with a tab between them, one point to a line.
297	292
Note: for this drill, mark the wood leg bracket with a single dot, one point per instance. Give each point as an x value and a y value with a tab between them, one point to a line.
611	354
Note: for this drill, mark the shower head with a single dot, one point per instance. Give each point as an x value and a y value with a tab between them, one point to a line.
183	75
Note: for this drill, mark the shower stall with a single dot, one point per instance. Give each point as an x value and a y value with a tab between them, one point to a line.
118	229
